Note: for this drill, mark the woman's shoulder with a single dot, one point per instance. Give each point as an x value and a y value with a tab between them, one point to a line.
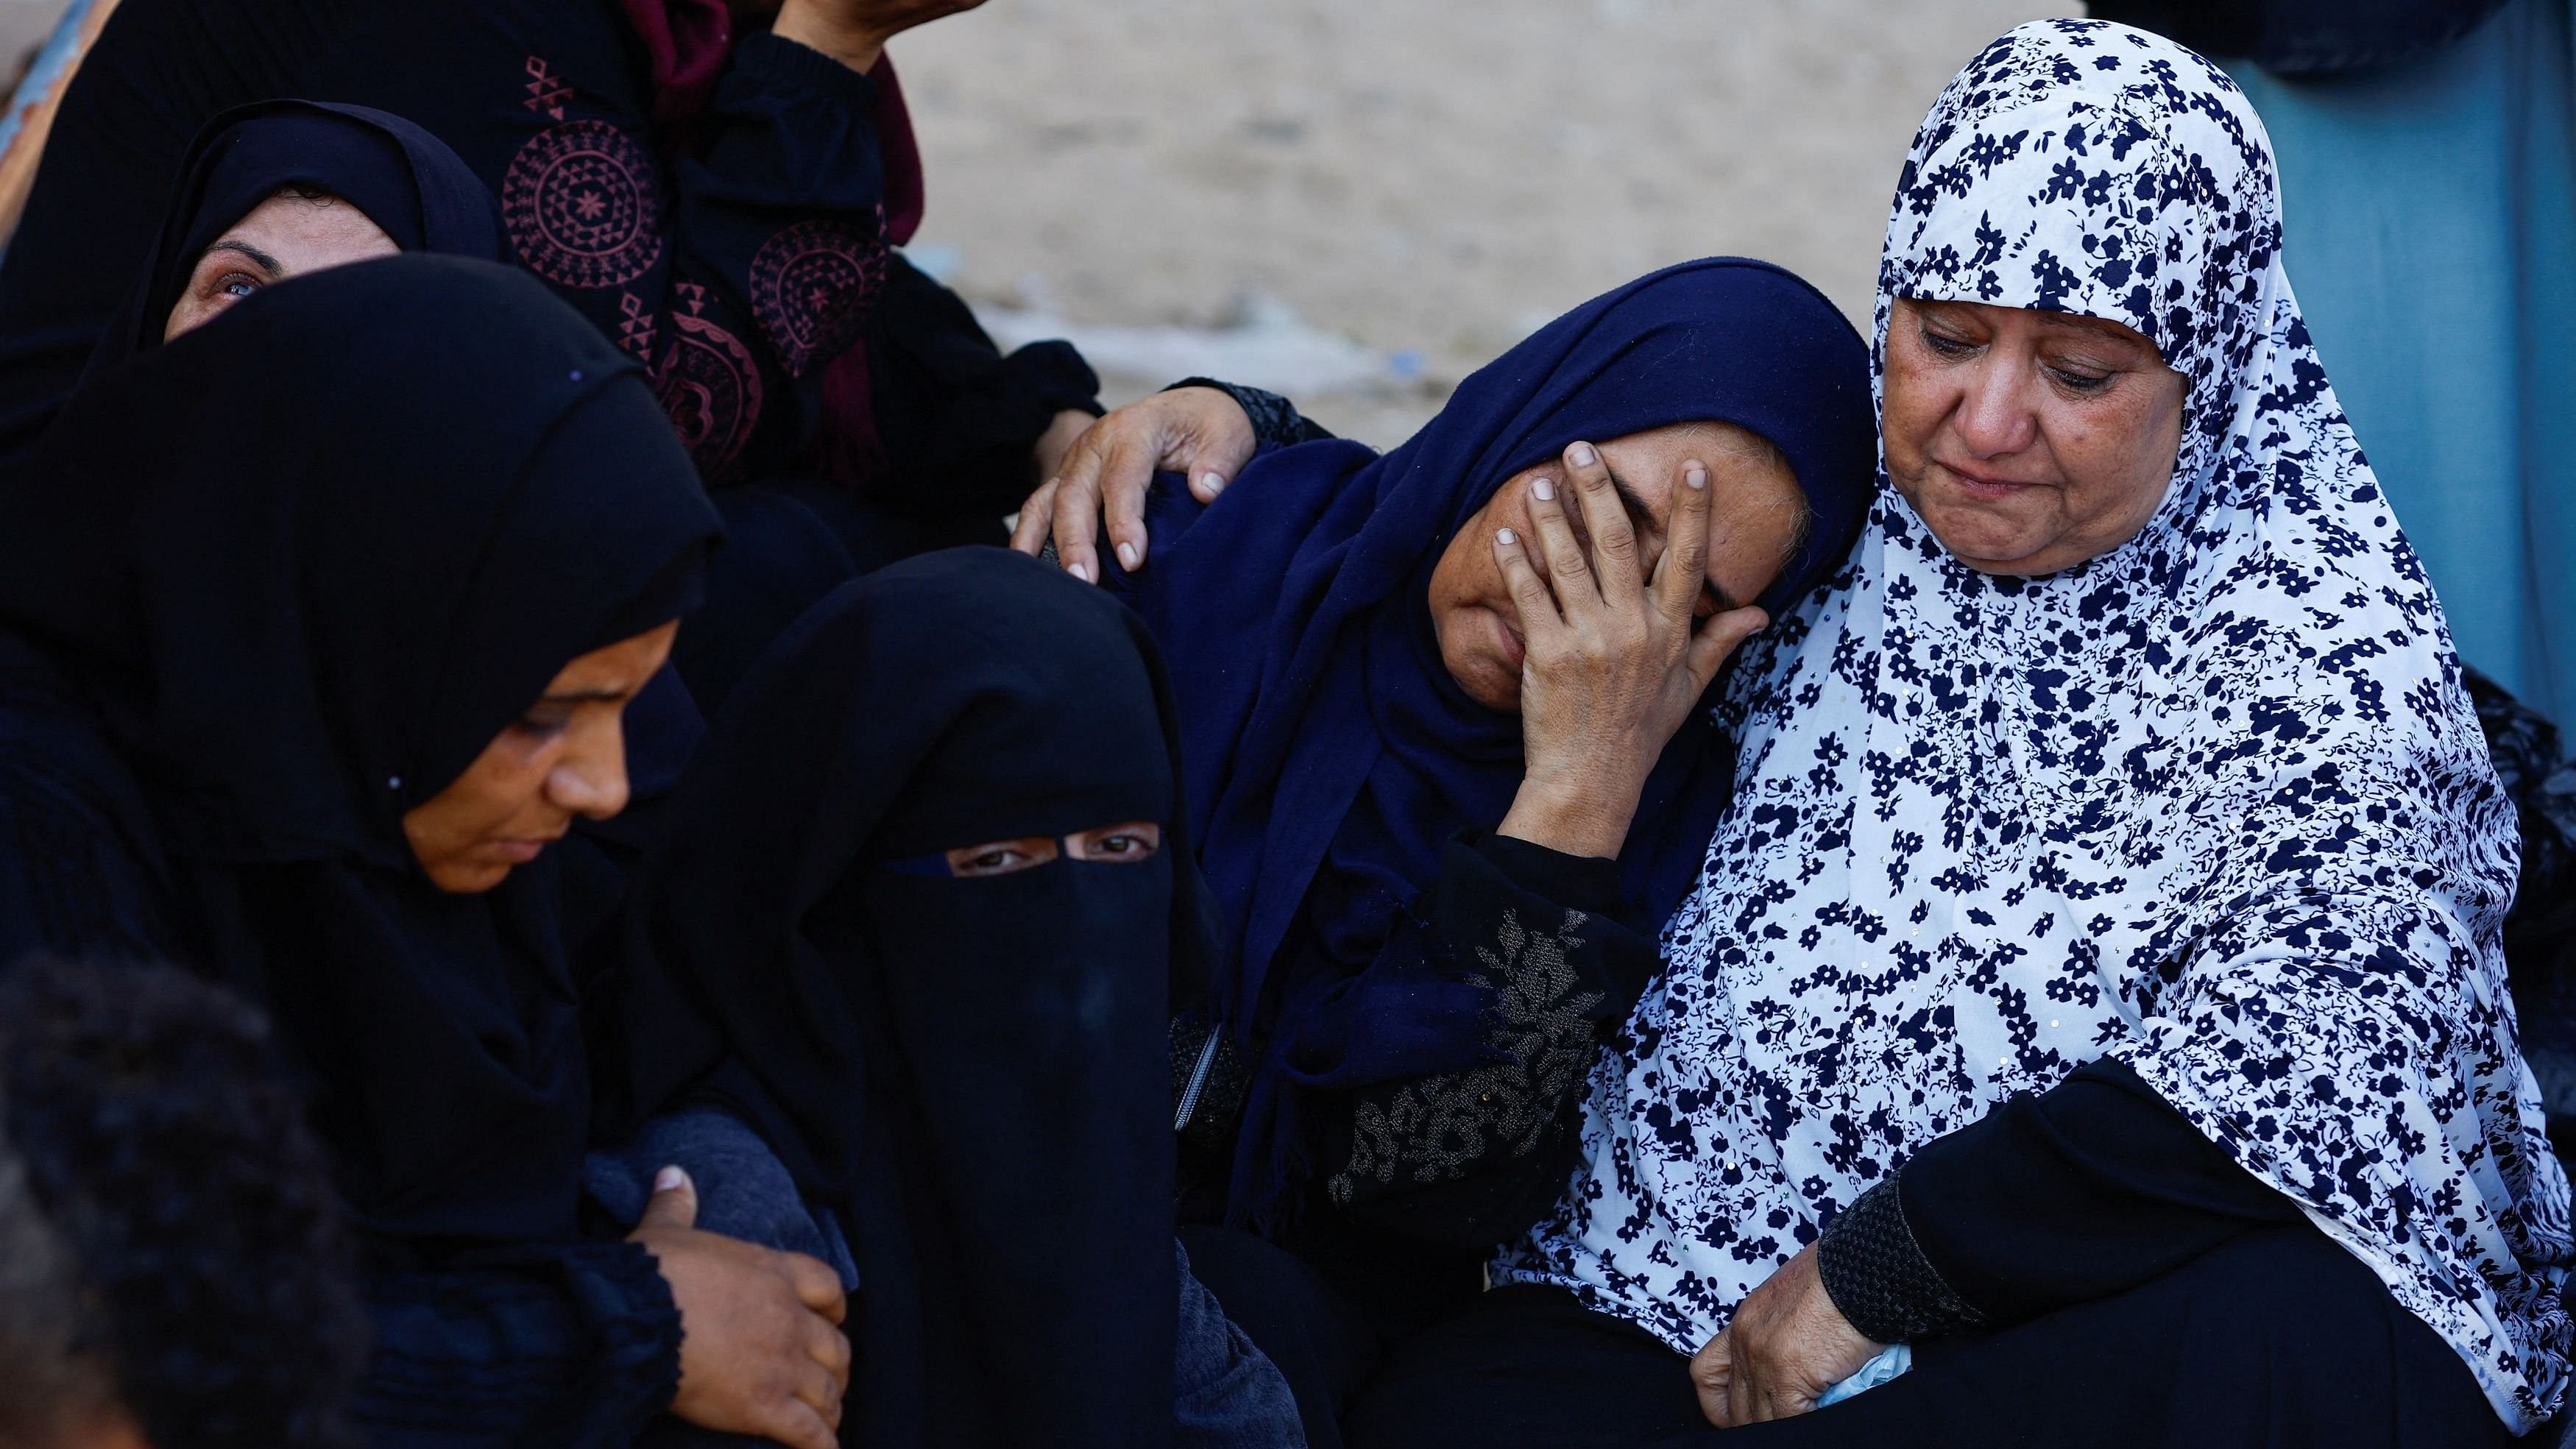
79	873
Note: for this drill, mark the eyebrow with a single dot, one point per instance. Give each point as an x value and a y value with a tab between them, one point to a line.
2107	331
584	696
271	265
1638	512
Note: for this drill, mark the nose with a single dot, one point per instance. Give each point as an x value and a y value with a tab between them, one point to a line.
590	780
1994	416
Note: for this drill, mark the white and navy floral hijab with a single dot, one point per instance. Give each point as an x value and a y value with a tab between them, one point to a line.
2213	803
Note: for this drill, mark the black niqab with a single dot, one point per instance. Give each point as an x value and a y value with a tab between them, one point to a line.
974	1070
304	563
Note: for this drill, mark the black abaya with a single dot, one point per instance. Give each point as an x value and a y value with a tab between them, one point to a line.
291	639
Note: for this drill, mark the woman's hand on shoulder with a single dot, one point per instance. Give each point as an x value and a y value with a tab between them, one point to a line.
1611	665
1199	432
760	1352
854	32
1786	1346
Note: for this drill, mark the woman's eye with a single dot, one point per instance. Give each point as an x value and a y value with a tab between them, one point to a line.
1119	845
2080	381
995	860
1947	346
236	285
543	727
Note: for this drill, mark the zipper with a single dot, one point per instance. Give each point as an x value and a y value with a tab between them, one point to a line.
1198	1081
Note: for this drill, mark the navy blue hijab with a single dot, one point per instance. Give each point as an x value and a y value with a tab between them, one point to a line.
1329	755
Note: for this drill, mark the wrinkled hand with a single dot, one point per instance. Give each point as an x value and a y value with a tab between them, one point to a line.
1785	1347
759	1353
1196	431
1610	665
854	32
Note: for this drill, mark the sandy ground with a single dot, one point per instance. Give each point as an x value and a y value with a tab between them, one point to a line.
1359	200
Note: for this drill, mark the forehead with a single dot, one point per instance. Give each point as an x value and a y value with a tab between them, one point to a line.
286	218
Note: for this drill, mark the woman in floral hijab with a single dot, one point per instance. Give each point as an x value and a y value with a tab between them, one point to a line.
2093	995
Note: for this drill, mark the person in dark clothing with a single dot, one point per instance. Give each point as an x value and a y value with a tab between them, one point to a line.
360	666
922	923
717	188
1440	883
2090	1023
173	1270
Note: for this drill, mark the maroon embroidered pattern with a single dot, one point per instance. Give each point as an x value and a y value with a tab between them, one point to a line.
709	384
812	286
583	205
546	90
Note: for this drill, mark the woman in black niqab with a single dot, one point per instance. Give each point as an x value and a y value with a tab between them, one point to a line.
301	572
973	1070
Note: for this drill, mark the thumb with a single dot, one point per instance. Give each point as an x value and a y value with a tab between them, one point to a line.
1718	639
674	1203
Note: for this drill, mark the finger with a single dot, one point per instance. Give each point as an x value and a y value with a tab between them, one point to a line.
674	1203
1529	592
830	1347
1214	462
1029	534
1709	1378
1077	512
800	1425
1126	471
1682	572
820	1391
1717	641
1558	551
816	1285
1605	518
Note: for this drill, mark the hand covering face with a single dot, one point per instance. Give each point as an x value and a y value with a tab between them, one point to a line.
974	1070
305	563
2212	803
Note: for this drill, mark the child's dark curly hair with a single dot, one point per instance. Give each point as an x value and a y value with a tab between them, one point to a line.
186	1259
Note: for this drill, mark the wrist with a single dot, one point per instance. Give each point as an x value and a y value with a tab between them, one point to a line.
806	23
1572	815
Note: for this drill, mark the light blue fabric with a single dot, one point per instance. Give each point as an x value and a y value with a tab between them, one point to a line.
1891	1361
2429	213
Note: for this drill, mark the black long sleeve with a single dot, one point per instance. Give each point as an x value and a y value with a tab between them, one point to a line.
575	1345
1469	1158
2092	1187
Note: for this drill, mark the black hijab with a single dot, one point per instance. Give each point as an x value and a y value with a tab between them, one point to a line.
304	563
974	1070
406	180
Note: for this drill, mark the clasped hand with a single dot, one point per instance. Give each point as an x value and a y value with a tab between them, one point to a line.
759	1350
1614	658
1786	1346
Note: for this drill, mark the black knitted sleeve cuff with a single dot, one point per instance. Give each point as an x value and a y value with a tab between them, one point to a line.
1276	423
1877	1275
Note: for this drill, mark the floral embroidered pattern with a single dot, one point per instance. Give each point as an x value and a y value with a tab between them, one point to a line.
2213	803
1432	1129
709	384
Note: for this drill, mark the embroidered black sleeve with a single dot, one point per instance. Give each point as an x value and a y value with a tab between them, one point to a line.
1471	1158
1877	1275
1276	423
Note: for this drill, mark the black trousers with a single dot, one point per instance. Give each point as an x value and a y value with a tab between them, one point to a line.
2275	1338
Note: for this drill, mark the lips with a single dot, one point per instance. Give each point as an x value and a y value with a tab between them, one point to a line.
1514	650
520	852
1982	488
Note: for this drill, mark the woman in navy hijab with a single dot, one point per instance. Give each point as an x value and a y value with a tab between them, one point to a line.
1446	747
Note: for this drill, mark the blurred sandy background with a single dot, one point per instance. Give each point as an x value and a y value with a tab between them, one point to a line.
1359	200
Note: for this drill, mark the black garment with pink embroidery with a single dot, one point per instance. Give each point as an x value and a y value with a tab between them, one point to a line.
737	245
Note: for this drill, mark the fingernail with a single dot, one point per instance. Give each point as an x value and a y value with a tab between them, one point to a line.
1079	571
670	1179
1127	555
1545	490
1696	477
1212	482
1582	455
1505	535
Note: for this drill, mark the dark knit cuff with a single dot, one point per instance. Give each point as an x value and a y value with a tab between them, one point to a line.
1877	1276
1276	423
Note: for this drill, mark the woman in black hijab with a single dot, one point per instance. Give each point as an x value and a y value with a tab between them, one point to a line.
932	889
397	187
357	666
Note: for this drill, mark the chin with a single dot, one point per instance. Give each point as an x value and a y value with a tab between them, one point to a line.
468	880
